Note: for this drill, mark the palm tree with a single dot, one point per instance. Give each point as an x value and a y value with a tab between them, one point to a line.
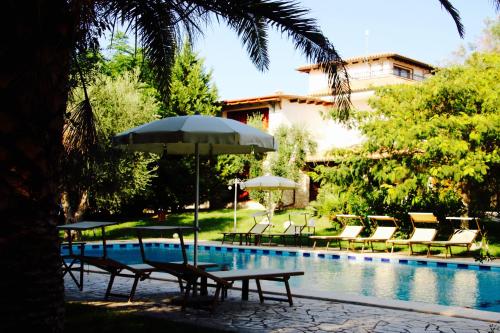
40	41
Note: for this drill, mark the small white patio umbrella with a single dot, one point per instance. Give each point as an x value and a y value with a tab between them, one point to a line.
269	183
199	135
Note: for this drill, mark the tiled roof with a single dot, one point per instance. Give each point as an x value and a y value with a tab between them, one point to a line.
277	98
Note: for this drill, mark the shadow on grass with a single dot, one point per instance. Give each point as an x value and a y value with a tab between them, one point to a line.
86	318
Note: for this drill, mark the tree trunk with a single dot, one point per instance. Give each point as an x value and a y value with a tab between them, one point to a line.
74	214
73	211
35	56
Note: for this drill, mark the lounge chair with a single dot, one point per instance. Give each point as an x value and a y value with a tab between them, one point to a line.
459	238
380	235
309	229
224	280
116	268
255	231
309	226
113	267
419	234
290	230
349	232
422	218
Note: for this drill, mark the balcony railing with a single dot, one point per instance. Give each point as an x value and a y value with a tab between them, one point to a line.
392	72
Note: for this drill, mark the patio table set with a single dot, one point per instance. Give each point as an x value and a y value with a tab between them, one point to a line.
193	278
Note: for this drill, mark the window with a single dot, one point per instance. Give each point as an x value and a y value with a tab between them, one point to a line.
403	72
243	115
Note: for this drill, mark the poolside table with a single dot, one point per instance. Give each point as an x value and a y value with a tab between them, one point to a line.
81	226
242	235
306	225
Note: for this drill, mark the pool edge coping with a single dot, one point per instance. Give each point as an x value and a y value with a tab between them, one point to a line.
393	256
411	306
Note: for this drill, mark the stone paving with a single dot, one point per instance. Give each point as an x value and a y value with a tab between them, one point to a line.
156	298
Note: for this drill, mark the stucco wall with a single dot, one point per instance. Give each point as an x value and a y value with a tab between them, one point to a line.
327	133
298	198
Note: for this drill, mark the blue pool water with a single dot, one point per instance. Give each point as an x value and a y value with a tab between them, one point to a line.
473	286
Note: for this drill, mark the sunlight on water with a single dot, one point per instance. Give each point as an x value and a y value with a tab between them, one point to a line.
424	285
464	287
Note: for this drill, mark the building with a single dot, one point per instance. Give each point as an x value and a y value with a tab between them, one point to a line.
310	111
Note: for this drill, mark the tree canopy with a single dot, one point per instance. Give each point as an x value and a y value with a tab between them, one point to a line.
432	146
191	88
112	181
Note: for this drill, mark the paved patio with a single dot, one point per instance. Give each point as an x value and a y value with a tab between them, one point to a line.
154	298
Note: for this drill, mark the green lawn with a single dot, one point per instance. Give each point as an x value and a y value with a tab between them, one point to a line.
212	223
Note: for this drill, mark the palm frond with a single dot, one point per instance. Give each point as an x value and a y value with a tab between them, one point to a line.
80	134
191	17
455	15
79	131
253	33
161	23
496	4
250	19
91	25
251	28
160	26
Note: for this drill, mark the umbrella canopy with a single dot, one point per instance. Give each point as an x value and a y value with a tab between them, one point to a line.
199	135
179	135
269	183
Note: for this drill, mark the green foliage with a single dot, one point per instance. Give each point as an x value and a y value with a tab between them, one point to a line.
114	178
432	146
253	162
120	182
123	58
244	166
294	144
191	89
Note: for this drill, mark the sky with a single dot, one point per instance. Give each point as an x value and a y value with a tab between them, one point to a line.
418	29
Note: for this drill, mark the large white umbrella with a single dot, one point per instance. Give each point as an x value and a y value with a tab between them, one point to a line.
269	183
199	135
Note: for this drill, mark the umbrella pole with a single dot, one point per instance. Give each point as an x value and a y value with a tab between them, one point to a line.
235	201
270	209
196	204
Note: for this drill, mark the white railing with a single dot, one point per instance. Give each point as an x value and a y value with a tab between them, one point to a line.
392	72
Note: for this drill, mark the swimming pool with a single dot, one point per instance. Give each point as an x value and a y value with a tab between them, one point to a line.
466	285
